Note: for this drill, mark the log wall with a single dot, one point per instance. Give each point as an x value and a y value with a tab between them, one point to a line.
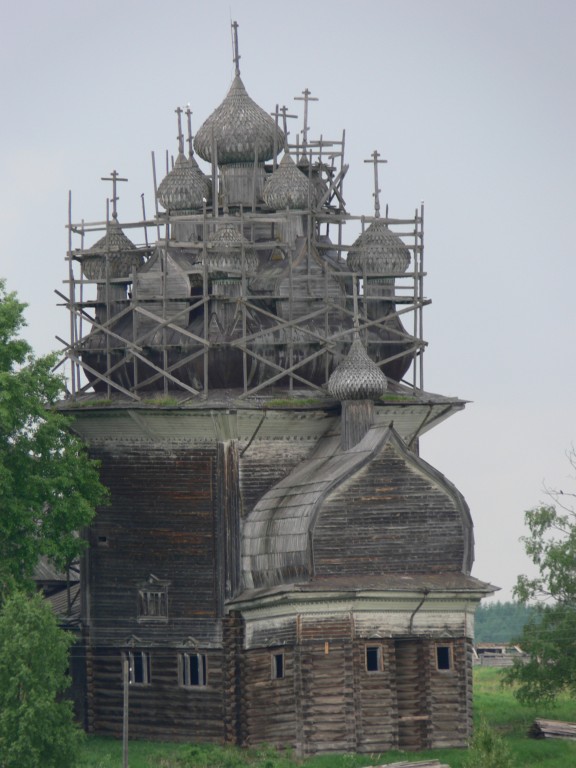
162	709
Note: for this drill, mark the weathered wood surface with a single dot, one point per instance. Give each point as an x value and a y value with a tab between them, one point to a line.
552	729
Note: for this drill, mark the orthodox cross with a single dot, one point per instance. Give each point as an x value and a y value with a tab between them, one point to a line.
189	118
114	178
306	97
179	111
236	57
284	112
374	159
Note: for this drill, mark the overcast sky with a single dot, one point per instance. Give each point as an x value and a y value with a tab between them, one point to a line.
472	102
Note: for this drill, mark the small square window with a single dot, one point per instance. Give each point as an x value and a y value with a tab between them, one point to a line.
374	661
444	660
139	668
192	670
277	666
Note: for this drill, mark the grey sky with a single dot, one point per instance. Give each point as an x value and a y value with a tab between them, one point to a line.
472	103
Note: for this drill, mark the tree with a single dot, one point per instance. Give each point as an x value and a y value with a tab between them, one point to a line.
550	636
36	725
49	487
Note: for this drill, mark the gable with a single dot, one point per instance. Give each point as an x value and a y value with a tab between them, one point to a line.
395	514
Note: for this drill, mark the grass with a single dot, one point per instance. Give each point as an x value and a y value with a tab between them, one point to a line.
492	703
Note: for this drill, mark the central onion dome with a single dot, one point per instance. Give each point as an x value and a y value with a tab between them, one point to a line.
240	128
378	250
185	187
357	377
225	252
120	252
288	187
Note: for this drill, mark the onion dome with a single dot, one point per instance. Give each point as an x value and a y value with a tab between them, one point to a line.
185	187
240	128
288	187
379	250
225	252
119	250
357	377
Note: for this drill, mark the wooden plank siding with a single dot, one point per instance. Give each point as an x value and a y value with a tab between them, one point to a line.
160	521
391	513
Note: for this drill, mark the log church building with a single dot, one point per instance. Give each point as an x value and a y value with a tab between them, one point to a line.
277	562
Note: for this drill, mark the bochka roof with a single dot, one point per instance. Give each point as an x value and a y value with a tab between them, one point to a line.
276	540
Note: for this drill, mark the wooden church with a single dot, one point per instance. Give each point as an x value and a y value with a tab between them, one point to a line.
277	563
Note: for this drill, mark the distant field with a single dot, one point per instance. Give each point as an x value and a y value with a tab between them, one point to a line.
492	703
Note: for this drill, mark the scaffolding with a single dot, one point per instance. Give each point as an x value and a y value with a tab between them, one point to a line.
155	317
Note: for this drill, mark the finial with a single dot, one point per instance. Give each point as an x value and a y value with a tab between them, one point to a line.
375	159
236	57
306	97
179	111
189	139
114	178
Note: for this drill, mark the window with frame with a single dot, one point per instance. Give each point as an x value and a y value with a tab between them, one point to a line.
444	658
192	670
374	658
153	600
277	666
139	668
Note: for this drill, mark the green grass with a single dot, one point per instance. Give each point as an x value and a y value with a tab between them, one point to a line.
492	702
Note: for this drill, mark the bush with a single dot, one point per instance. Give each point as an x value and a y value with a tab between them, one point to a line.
488	750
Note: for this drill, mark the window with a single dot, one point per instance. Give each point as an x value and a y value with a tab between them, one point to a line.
374	658
444	660
277	666
192	669
139	669
153	600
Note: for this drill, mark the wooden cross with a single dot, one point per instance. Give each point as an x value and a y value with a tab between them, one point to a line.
114	178
179	111
306	97
236	57
284	112
374	158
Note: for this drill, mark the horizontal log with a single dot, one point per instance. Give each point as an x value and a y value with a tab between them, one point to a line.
552	729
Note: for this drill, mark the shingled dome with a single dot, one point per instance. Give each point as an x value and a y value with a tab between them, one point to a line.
225	252
185	187
240	128
379	250
288	187
357	377
119	250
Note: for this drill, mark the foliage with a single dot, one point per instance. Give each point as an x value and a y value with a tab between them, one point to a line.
36	725
48	485
501	622
550	639
488	749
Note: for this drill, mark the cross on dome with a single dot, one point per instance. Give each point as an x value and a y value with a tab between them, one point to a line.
375	160
236	57
306	98
114	178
